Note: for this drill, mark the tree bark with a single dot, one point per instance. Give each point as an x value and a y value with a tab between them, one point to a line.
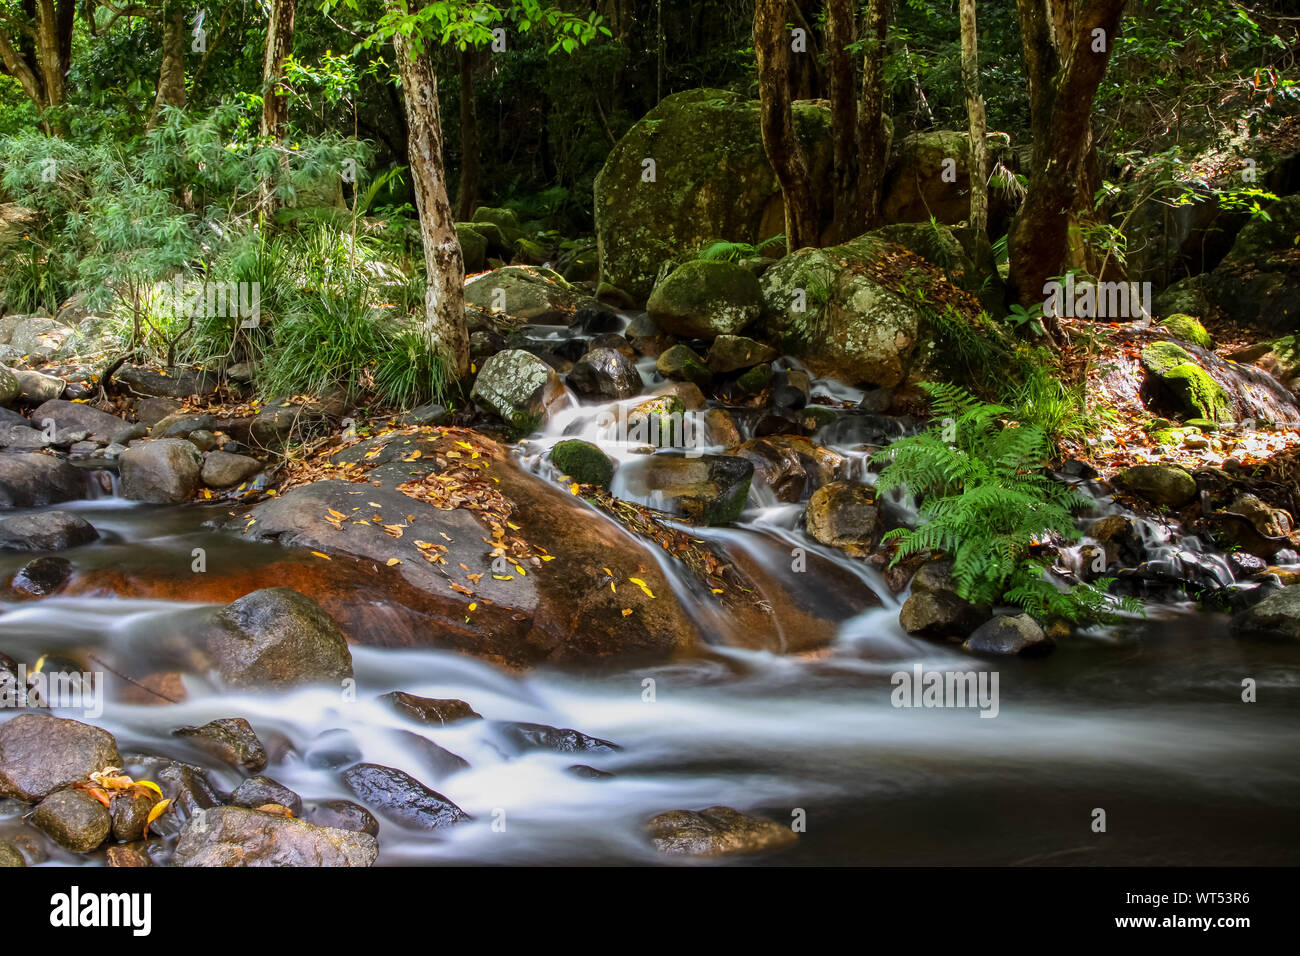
444	325
171	76
39	53
1063	79
849	218
279	45
467	188
275	108
873	132
772	47
970	76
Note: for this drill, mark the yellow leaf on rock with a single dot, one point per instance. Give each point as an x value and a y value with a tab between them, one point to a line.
391	561
319	555
643	586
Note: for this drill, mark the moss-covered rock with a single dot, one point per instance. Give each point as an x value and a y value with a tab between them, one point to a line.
1186	381
1258	283
473	247
915	189
1166	485
530	252
533	293
1185	327
681	363
583	462
702	300
822	306
503	219
1280	358
710	178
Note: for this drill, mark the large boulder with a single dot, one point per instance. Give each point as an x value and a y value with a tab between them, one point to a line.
1008	635
709	178
75	416
47	531
519	388
40	754
536	295
1166	485
33	481
606	374
844	515
821	305
163	471
702	300
233	836
275	637
1194	390
916	188
1277	617
1257	283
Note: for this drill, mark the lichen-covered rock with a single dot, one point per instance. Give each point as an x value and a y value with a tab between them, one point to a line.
606	374
702	300
583	462
819	305
710	177
537	295
519	388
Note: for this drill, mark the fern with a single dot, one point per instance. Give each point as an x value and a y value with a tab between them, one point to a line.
984	496
1081	604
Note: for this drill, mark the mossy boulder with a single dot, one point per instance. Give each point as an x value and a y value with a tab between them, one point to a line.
702	300
583	462
530	252
503	219
710	178
681	363
1280	358
820	305
1199	395
473	247
915	188
1258	281
1189	329
1166	485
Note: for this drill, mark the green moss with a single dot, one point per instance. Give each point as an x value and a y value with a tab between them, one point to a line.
681	364
1200	392
1160	357
755	379
583	462
1188	329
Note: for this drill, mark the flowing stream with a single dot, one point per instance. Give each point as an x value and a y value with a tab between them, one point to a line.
1144	720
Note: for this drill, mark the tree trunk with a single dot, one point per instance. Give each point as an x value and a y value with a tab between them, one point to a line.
49	52
444	300
467	188
849	218
171	77
1062	83
772	47
978	125
40	54
873	133
275	108
970	77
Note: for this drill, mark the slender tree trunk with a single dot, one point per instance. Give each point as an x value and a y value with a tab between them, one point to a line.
1062	83
49	52
467	188
873	129
849	217
970	76
39	55
772	46
171	77
444	325
275	108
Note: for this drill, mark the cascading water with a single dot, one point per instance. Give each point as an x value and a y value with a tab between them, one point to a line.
1144	719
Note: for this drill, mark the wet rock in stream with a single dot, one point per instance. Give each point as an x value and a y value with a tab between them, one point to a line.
42	576
230	739
716	831
48	531
259	791
73	819
233	836
524	737
398	796
36	480
39	754
428	710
